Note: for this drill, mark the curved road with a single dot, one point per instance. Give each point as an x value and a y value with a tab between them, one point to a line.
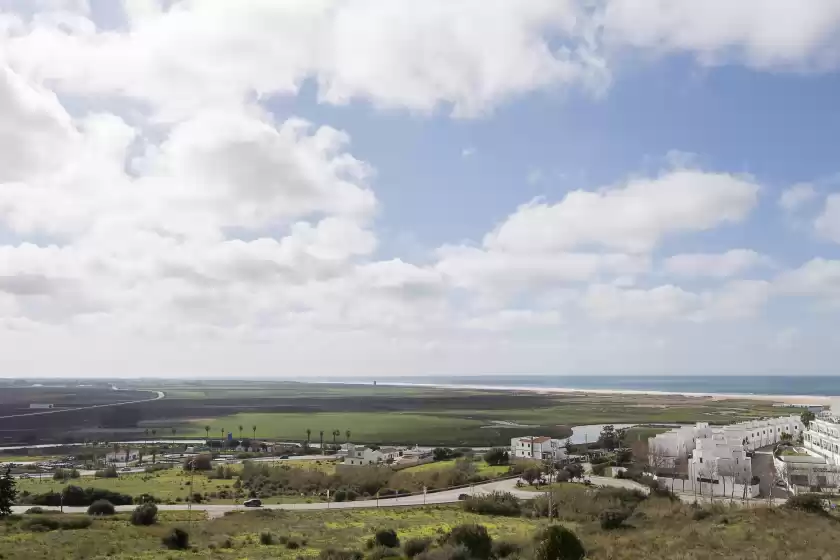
159	396
443	497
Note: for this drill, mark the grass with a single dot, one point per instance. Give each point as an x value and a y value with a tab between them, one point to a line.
482	468
381	427
659	529
793	453
27	458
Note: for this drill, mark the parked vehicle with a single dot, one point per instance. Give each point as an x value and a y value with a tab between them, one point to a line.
253	502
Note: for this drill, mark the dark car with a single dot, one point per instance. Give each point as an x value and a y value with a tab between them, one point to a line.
463	496
253	502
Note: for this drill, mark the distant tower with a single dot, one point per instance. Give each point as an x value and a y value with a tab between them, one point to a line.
374	383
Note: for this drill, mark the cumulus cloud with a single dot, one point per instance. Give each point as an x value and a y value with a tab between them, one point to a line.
716	265
764	34
631	217
797	196
827	224
818	278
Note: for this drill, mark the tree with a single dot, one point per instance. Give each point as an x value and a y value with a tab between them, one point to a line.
254	430
608	437
807	417
335	434
240	432
497	456
8	493
347	435
222	432
531	474
173	434
308	437
575	470
146	432
207	430
144	514
786	437
558	543
154	434
474	538
322	441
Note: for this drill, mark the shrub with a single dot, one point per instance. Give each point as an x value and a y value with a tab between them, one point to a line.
413	547
504	549
146	499
497	456
101	507
293	544
337	554
339	496
144	514
701	514
558	543
811	503
612	518
387	538
266	538
497	503
380	552
108	472
446	553
598	469
44	524
203	462
474	538
176	539
35	510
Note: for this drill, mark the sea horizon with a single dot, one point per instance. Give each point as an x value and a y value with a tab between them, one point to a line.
747	385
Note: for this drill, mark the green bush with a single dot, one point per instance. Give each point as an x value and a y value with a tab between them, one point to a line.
701	514
811	503
612	518
413	547
266	538
35	510
497	503
446	553
101	507
176	539
337	554
42	524
109	472
293	543
474	538
387	538
505	549
380	552
144	514
340	496
558	543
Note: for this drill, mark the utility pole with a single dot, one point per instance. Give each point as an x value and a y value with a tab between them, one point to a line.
189	494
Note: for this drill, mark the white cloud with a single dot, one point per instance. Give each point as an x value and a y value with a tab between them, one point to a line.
716	265
633	217
797	196
470	54
610	303
828	223
818	278
468	152
764	34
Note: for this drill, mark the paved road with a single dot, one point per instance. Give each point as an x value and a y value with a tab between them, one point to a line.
159	396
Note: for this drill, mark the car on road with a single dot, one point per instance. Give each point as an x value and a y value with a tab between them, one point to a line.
463	496
126	469
25	476
284	457
253	502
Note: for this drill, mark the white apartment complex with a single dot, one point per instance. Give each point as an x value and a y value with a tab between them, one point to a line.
717	455
538	447
359	455
823	435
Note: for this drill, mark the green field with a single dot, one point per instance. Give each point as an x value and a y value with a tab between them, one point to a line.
170	485
482	468
384	427
659	529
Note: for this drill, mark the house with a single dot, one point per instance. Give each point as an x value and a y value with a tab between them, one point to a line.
823	435
538	447
359	455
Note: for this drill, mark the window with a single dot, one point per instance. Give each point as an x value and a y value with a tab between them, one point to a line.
701	459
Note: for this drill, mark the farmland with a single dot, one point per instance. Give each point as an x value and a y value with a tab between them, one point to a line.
381	415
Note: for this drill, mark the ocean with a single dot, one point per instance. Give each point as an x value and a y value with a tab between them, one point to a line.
728	385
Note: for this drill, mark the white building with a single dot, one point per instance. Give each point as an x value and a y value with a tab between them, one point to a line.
823	435
542	447
359	455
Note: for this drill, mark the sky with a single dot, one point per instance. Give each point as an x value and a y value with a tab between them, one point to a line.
370	188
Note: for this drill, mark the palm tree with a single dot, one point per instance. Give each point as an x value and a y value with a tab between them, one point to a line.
207	429
308	435
336	433
240	433
347	434
173	434
254	429
322	441
147	435
154	434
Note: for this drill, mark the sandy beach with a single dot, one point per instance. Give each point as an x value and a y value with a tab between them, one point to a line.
795	400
